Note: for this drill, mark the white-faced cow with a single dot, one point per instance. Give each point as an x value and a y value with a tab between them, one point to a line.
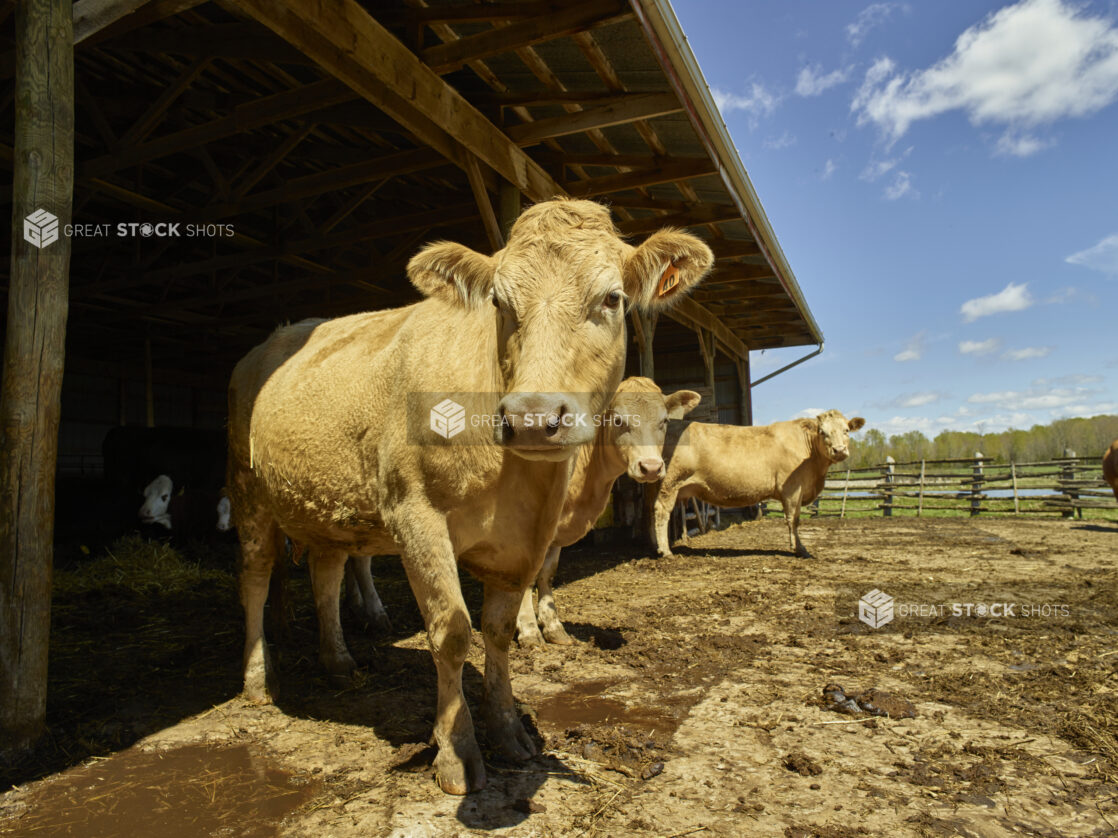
629	441
1110	467
734	465
332	438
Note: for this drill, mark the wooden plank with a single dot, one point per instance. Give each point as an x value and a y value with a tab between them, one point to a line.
680	170
633	107
30	401
246	117
693	314
702	214
469	12
547	26
272	160
354	48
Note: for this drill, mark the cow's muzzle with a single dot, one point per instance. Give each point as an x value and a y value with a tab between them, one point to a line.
534	424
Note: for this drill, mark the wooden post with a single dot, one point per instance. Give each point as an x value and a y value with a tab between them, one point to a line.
976	485
508	209
1067	472
43	180
644	325
745	391
890	468
920	503
845	490
1016	499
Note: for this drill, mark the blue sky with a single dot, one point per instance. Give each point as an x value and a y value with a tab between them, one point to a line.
943	178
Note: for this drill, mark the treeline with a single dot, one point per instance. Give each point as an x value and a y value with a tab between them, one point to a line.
1086	437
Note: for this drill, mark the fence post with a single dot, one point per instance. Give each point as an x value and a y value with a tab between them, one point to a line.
845	490
887	507
1068	473
920	503
976	485
1016	499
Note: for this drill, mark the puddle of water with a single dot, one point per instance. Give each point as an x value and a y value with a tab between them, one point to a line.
583	704
198	790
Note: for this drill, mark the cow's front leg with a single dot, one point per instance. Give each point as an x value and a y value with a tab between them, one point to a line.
549	615
327	569
662	514
792	517
428	558
498	620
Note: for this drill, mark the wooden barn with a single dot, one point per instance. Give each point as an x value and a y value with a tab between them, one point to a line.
240	164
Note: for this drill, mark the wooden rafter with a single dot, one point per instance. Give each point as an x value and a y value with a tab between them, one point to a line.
354	48
667	173
631	108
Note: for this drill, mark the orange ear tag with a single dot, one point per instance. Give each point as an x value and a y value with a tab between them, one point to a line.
668	280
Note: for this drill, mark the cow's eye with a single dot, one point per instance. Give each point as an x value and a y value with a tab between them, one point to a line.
613	299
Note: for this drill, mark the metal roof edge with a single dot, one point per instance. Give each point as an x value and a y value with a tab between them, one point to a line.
658	20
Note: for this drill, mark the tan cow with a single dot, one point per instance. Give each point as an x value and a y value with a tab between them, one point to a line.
734	465
340	436
630	440
1110	467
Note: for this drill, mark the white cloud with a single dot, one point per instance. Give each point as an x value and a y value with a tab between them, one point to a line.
809	413
1100	257
828	169
918	399
812	81
758	102
872	16
1040	396
783	141
914	349
1024	66
1014	144
1028	353
979	347
1011	298
901	186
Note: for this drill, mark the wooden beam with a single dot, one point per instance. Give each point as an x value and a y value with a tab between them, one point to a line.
146	123
484	205
550	157
246	117
629	109
681	170
644	325
354	48
702	214
468	12
745	391
34	350
695	315
272	160
347	209
91	16
331	180
524	33
144	14
223	40
734	248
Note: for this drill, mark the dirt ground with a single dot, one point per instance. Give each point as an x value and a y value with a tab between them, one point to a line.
692	703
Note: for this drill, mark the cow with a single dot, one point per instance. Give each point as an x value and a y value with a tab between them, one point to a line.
734	465
1110	467
351	436
361	594
186	515
628	441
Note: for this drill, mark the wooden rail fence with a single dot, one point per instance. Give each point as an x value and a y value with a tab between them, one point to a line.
979	485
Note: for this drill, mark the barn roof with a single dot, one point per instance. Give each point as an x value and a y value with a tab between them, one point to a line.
325	142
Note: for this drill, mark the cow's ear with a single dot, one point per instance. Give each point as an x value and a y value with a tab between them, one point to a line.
659	272
453	273
682	402
856	423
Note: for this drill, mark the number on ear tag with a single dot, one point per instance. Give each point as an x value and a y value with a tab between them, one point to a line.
668	280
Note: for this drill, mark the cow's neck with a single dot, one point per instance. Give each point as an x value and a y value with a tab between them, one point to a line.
595	469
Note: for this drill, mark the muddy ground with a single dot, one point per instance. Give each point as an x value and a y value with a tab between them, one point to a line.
692	703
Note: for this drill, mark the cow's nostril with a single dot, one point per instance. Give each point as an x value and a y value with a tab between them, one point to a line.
553	422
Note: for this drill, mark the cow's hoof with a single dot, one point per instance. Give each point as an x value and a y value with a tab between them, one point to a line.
555	633
802	553
379	620
509	738
257	690
528	636
340	667
667	555
460	774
